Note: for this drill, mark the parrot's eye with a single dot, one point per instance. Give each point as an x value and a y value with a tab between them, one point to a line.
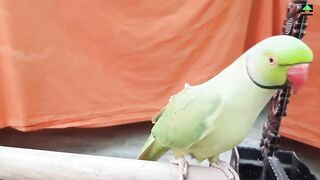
272	61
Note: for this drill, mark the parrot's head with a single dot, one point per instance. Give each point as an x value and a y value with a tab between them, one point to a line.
278	59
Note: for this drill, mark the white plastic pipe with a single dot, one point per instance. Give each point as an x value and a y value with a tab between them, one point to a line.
28	164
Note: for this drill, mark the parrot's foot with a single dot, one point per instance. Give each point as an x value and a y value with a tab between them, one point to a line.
225	168
182	167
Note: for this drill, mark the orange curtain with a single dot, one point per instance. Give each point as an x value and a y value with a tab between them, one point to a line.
79	63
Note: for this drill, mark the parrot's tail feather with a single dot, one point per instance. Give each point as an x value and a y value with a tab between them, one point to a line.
152	150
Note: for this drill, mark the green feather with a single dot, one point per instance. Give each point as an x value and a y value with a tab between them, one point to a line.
178	129
152	150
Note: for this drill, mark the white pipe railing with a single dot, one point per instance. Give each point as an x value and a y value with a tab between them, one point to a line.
28	164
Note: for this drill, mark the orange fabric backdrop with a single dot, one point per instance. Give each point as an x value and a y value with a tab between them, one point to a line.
97	63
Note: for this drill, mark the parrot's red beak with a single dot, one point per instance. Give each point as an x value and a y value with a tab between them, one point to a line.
297	74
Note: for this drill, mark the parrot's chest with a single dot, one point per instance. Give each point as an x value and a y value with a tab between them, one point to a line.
226	134
232	125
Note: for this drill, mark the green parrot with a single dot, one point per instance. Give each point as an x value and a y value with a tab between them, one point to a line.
213	117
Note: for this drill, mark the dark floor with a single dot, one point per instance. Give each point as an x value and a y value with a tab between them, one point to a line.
126	141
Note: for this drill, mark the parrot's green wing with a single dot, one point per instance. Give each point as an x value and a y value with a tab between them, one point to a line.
187	117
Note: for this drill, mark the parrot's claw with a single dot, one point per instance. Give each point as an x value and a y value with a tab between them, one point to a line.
182	167
225	168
